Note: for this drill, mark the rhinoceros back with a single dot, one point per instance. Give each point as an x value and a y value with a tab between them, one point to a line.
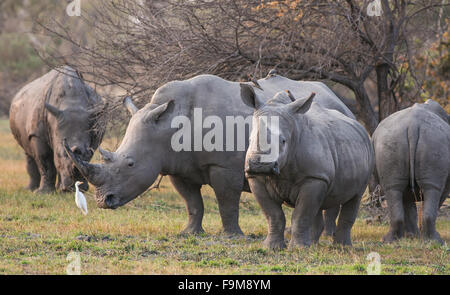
218	96
301	89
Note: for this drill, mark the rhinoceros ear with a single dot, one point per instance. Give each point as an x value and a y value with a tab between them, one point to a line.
301	105
106	156
128	103
156	113
291	96
53	110
249	96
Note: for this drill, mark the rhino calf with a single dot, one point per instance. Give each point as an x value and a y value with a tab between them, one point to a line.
324	160
412	153
55	106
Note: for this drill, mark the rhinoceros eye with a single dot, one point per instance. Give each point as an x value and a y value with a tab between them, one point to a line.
130	163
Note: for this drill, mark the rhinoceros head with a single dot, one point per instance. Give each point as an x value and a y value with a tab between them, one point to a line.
436	108
135	165
75	124
272	130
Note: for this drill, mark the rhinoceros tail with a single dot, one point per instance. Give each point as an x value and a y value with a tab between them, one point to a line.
413	138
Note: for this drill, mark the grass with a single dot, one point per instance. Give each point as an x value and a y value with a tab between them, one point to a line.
37	232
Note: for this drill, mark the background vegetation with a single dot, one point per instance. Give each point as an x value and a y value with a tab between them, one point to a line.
139	45
125	46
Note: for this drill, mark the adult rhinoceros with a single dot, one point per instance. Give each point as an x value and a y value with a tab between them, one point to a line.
412	153
55	106
323	160
146	149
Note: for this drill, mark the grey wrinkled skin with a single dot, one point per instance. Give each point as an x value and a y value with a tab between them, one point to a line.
43	113
146	152
412	154
325	161
324	97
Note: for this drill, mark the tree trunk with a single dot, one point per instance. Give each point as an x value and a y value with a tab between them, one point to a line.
386	103
365	110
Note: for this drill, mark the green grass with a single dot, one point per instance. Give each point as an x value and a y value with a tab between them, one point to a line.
37	232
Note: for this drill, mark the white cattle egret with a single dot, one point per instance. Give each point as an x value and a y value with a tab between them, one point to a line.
80	200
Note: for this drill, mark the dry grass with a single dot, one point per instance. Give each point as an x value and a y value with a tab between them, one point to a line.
38	231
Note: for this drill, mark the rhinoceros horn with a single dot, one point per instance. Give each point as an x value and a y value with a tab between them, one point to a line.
94	173
129	105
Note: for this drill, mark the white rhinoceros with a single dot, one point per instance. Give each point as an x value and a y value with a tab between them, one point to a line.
55	106
412	153
324	160
147	147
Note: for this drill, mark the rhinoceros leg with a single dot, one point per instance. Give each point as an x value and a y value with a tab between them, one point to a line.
58	181
317	227
45	165
274	214
347	218
329	217
446	193
228	185
33	172
409	205
394	198
307	207
432	198
194	204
